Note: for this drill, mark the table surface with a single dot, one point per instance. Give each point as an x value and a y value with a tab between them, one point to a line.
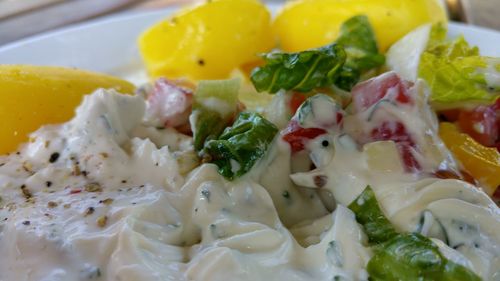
485	13
23	18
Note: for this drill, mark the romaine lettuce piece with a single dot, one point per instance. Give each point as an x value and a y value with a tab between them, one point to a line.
206	125
358	39
340	64
225	90
301	71
240	146
455	71
215	104
414	257
404	56
368	213
402	256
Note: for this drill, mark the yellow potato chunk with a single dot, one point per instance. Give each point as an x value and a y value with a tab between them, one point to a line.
309	24
207	41
32	96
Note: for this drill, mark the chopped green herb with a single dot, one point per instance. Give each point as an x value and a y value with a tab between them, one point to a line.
286	194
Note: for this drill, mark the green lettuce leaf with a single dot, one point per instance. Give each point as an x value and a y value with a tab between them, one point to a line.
341	63
215	103
437	36
414	257
302	71
406	256
225	90
206	125
457	73
358	39
239	147
368	213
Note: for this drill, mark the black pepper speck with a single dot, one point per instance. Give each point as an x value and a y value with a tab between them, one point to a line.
53	157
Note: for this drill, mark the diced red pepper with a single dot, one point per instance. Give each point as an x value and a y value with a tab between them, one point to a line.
481	124
396	132
297	136
296	101
388	85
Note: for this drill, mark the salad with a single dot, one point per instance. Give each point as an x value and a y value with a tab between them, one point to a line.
341	140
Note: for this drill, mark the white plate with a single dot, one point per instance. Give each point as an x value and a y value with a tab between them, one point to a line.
109	45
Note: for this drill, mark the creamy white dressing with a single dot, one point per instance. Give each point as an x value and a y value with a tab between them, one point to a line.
492	72
104	197
108	197
459	214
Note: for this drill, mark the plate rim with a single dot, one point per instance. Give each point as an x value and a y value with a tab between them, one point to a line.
85	24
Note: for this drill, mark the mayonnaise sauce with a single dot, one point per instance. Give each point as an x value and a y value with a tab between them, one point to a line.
107	197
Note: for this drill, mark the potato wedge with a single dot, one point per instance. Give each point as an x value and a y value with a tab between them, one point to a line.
32	96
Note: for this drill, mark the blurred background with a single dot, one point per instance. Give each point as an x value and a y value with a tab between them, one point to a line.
23	18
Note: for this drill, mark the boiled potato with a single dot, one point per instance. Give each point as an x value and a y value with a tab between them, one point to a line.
309	24
32	96
207	41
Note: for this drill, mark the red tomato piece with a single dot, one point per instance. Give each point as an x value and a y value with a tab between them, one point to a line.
396	132
481	124
296	101
297	136
388	85
340	117
496	105
170	102
450	115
